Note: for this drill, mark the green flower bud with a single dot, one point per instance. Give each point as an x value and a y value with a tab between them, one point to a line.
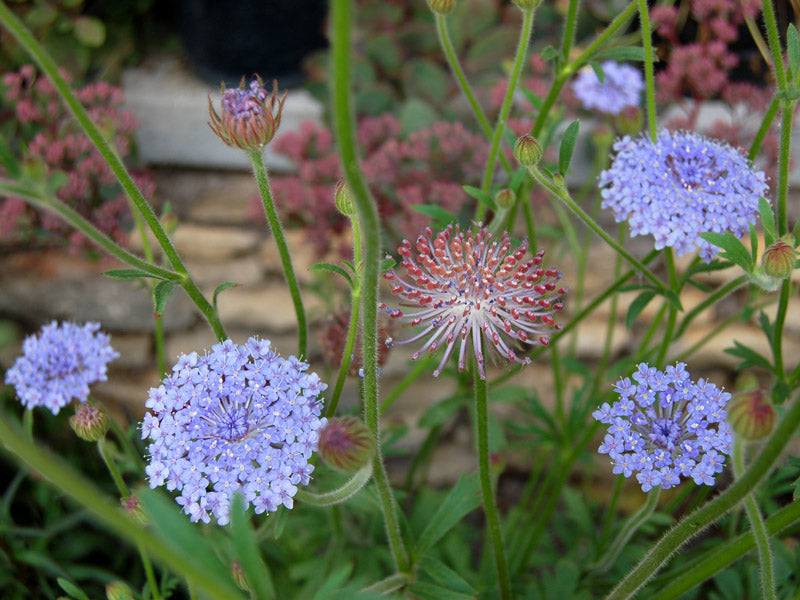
345	444
528	151
344	199
779	259
441	7
90	422
239	577
132	506
750	415
505	198
527	4
118	590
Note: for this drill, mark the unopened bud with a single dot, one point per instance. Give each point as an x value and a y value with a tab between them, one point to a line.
132	506
505	198
751	415
527	4
344	199
250	115
118	590
441	7
528	151
90	422
779	259
345	444
239	577
629	120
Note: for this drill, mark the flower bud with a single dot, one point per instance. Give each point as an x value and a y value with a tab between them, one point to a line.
250	116
629	120
527	4
528	151
239	577
750	415
344	199
345	444
118	590
132	506
90	422
441	7
505	198
779	259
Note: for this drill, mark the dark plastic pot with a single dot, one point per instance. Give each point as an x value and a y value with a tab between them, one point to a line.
226	39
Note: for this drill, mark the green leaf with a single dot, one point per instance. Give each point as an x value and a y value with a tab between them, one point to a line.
549	53
128	274
73	590
750	358
462	499
161	292
733	249
331	268
247	552
793	50
221	288
445	576
8	160
673	299
480	196
767	221
637	306
517	178
441	218
387	263
622	53
753	241
567	146
441	411
89	31
598	70
781	392
430	591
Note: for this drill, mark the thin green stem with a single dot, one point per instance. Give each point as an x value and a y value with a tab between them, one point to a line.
709	301
570	22
27	423
487	493
773	37
562	193
649	76
631	526
758	528
787	116
758	39
421	367
707	514
530	226
611	511
357	481
112	468
262	179
672	314
82	491
763	130
499	128
344	129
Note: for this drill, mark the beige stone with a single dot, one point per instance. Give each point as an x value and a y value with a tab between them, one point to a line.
266	307
204	242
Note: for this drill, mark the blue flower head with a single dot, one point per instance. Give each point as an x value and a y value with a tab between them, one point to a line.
238	419
621	87
59	364
665	426
679	187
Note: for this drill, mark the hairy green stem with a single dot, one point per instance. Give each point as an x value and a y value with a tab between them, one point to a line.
757	526
763	130
631	526
773	37
487	493
344	129
649	76
672	314
710	300
703	517
358	480
570	22
499	128
262	179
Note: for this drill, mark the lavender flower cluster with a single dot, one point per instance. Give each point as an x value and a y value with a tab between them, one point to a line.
665	426
679	187
621	87
58	365
245	102
238	419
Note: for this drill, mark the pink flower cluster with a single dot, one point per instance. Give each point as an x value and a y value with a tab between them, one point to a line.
424	167
49	137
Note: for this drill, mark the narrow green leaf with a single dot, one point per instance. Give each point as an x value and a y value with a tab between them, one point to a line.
324	266
733	249
781	392
73	590
430	591
622	53
598	70
387	263
517	178
462	499
480	196
128	274
753	242
567	147
221	288
161	292
637	306
767	221
445	576
549	53
441	218
793	50
750	358
247	552
440	412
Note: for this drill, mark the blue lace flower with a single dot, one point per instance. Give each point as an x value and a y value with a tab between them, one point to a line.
621	87
680	187
238	419
665	427
59	364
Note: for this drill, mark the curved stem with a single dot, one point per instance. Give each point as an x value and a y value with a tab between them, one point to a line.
262	178
766	123
647	43
344	129
631	526
709	301
758	528
489	504
342	493
672	315
707	514
499	128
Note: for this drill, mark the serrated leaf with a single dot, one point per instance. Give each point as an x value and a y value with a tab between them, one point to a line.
480	196
441	218
73	590
331	268
623	53
221	288
767	221
733	249
750	358
128	274
567	146
462	499
793	50
637	306
247	552
161	292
